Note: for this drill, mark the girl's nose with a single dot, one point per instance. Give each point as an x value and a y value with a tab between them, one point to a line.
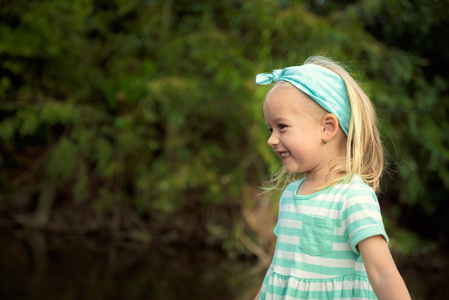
273	140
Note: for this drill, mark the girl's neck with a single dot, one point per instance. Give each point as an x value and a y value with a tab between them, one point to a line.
318	180
310	186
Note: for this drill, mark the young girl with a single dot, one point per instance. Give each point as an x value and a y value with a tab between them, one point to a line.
331	242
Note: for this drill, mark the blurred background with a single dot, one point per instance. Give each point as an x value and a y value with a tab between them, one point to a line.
133	145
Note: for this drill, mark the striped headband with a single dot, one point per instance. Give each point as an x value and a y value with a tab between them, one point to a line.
324	86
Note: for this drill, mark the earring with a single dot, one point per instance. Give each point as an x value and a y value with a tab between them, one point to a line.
324	141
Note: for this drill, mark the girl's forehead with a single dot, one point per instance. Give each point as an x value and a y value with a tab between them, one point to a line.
281	99
280	110
287	98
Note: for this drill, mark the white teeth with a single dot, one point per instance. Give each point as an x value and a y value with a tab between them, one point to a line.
285	154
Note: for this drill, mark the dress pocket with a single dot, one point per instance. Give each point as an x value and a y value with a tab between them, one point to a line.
317	235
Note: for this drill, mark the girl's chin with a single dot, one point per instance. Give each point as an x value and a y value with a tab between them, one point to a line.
291	170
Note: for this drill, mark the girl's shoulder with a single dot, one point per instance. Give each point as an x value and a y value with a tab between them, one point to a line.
355	186
351	188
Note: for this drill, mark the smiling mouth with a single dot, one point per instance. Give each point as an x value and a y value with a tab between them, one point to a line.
284	154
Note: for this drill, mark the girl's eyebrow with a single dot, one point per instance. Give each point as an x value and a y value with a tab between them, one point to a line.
280	119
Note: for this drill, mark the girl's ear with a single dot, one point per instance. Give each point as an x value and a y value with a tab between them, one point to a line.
330	126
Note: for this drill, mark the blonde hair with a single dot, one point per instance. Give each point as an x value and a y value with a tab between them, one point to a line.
364	152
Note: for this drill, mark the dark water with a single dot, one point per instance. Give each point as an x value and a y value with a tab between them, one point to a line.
43	266
34	265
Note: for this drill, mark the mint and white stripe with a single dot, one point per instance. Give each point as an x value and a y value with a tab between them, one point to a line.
316	253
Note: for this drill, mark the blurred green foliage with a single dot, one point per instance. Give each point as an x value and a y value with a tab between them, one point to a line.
152	103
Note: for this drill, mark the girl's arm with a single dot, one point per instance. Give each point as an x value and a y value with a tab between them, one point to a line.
383	275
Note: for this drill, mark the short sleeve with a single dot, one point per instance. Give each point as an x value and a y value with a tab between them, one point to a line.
362	218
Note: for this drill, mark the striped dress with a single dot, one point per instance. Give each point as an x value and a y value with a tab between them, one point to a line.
316	254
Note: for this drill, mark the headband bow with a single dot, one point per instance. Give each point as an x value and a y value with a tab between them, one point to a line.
266	78
324	86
